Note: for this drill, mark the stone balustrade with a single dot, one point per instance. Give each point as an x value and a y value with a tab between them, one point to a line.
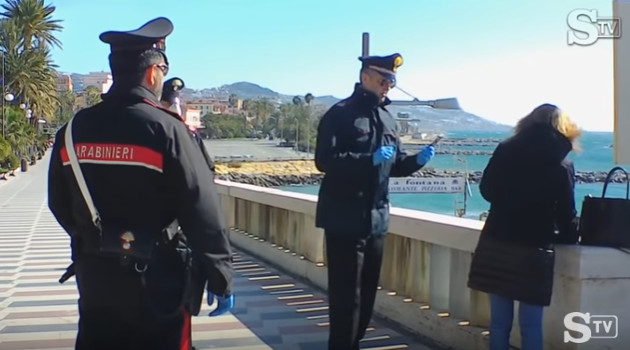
425	269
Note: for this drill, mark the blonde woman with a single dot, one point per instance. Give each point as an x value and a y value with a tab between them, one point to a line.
530	186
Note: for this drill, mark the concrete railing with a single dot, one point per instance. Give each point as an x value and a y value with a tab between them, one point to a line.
425	269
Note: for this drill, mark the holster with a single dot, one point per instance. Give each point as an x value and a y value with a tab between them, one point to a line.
166	279
135	245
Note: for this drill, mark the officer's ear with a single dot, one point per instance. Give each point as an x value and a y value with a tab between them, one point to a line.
151	74
364	75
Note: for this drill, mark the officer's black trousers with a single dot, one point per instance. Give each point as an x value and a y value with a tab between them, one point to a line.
114	312
354	265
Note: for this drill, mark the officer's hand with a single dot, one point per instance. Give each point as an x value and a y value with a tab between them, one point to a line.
425	155
225	304
382	154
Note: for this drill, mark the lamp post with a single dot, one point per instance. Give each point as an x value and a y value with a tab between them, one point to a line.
462	212
4	122
8	98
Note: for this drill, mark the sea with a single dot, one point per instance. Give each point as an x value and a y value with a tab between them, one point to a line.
596	155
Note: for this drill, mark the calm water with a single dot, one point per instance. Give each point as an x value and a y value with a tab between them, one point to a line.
596	155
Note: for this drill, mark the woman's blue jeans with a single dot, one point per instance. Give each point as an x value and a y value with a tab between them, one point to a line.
501	316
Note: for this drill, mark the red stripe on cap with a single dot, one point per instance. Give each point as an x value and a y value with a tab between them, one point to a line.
116	153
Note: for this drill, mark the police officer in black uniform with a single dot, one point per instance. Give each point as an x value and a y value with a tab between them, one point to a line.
171	100
358	149
144	172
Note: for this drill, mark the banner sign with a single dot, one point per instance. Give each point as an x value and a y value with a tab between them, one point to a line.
427	185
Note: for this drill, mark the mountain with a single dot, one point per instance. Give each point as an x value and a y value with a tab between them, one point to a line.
243	89
429	119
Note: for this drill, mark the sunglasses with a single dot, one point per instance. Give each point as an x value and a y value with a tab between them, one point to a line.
163	68
385	81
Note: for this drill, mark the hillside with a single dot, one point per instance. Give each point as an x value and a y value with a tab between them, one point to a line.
430	119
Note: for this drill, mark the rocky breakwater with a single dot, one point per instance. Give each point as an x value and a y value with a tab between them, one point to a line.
271	174
304	172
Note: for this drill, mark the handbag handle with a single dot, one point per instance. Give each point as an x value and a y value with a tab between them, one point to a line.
610	174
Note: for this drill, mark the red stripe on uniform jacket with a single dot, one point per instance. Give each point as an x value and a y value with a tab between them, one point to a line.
116	154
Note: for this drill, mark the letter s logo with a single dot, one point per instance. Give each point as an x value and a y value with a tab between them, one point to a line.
577	327
576	25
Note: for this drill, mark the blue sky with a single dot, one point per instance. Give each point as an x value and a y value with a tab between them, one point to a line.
500	58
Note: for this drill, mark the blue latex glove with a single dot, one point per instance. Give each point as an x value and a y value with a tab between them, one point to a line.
382	154
425	155
225	304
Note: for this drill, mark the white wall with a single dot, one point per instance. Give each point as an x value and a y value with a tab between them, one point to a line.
621	9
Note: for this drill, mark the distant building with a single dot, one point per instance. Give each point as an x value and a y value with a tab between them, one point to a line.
77	82
102	80
192	117
79	101
215	106
106	85
63	82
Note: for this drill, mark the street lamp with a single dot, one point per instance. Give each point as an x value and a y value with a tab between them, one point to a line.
467	192
4	122
28	113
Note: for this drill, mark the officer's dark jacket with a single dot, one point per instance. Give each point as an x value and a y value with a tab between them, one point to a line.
529	184
143	169
204	151
354	193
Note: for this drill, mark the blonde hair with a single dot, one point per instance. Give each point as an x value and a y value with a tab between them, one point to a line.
548	114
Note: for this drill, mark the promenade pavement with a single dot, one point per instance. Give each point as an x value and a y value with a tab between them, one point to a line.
252	150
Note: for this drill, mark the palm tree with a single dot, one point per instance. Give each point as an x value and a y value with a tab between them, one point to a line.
20	134
66	100
30	76
26	37
261	111
308	98
27	34
5	149
92	95
33	17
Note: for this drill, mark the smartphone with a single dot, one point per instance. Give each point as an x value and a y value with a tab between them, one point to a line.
436	141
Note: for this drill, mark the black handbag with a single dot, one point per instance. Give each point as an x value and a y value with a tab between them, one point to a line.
606	221
516	271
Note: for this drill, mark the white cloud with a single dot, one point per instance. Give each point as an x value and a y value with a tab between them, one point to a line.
505	88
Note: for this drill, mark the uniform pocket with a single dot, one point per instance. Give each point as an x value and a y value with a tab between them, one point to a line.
361	130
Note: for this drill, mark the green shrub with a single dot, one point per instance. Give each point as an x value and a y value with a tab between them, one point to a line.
13	162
